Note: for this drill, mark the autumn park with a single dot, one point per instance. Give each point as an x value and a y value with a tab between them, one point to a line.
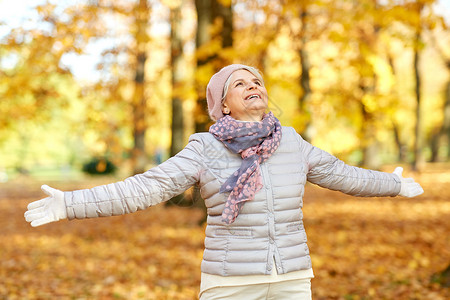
95	91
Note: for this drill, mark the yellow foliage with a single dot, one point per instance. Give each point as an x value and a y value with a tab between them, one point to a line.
386	80
348	43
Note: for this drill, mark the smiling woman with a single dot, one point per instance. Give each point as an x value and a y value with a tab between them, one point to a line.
246	97
252	174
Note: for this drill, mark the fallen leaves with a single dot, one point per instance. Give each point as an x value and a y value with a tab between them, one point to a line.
361	248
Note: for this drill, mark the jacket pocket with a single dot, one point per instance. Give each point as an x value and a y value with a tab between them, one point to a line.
237	232
295	227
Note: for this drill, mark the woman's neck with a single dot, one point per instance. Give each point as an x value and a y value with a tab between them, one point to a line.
249	118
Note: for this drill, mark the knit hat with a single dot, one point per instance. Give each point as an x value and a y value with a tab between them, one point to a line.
215	87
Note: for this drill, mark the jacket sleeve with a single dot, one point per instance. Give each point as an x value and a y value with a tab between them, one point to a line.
329	172
138	192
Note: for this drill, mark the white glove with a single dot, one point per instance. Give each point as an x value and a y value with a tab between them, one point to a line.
409	187
47	210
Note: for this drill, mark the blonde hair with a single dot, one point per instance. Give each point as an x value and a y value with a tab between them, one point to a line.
252	70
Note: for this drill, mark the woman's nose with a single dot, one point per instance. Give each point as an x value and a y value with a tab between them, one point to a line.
251	85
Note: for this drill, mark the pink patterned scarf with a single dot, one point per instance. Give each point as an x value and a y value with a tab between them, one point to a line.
255	142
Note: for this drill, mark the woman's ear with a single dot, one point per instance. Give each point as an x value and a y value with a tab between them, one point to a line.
225	109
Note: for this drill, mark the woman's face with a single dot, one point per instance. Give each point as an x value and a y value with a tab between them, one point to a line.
247	97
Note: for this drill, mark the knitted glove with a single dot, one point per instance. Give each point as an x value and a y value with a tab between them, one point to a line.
50	209
409	187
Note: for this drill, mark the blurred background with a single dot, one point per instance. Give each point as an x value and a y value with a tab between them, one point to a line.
103	87
120	85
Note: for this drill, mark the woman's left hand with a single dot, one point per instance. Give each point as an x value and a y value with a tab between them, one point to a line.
409	187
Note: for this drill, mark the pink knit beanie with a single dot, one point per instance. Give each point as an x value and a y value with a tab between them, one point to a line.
215	87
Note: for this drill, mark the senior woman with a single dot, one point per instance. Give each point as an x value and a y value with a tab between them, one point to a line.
252	173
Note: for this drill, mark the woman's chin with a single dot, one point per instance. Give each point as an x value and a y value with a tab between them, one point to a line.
256	105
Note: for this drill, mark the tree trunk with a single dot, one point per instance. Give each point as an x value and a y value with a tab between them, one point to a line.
417	131
224	15
176	59
367	47
443	134
139	102
417	147
434	144
400	146
208	13
446	127
305	77
367	136
203	37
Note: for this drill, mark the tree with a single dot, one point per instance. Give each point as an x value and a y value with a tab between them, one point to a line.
305	27
446	124
417	46
177	67
32	87
176	61
123	88
305	77
139	101
401	147
214	36
441	134
355	31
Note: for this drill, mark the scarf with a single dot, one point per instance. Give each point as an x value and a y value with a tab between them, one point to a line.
255	142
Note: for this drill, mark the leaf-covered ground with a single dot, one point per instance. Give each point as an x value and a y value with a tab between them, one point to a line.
362	248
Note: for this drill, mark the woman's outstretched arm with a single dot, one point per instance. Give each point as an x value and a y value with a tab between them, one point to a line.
329	172
138	192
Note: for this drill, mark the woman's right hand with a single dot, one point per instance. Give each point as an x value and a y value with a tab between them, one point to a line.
47	210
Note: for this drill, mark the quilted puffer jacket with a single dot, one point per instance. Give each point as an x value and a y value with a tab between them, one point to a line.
268	228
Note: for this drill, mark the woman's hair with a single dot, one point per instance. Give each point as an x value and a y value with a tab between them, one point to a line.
252	70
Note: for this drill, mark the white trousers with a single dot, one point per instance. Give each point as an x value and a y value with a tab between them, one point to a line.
299	289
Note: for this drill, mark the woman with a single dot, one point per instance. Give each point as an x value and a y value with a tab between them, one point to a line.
252	173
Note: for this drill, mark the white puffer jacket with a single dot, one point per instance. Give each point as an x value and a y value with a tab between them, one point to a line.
270	226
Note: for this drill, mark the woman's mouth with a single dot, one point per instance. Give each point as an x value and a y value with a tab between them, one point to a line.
252	96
